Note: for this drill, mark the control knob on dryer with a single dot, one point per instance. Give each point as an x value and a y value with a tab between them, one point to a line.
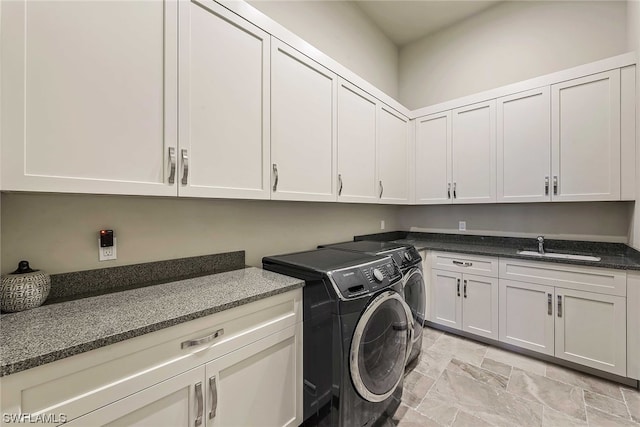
377	274
407	256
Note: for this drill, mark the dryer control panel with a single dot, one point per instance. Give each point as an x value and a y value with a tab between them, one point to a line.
354	282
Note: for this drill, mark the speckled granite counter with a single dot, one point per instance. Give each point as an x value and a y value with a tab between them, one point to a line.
613	255
52	332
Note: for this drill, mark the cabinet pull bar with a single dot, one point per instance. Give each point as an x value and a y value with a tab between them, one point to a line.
455	196
549	305
381	189
448	190
185	166
200	404
546	185
559	305
555	185
465	288
458	287
214	397
462	264
275	173
203	340
340	184
172	165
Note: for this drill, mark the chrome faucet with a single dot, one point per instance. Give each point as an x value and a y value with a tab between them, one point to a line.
541	245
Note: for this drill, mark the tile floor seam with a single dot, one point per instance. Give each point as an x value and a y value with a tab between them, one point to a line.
611	415
429	391
626	404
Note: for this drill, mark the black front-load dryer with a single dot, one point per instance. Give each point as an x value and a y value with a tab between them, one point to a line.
410	262
357	332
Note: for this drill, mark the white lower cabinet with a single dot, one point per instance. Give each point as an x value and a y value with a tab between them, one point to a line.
465	301
526	316
255	385
238	367
173	402
591	330
565	321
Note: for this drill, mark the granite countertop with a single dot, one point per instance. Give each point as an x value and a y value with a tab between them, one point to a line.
613	255
52	332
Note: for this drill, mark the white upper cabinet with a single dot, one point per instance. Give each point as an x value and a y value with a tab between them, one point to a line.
585	138
524	146
357	177
393	156
89	96
433	159
224	104
474	153
303	131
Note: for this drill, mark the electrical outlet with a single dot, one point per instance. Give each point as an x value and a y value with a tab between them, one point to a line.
462	225
108	253
382	224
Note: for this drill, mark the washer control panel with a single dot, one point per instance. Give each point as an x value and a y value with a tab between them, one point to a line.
405	257
361	280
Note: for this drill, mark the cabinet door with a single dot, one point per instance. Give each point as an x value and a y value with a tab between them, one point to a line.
526	315
585	138
88	99
446	307
480	305
356	145
257	385
224	104
303	131
433	159
591	330
524	146
177	401
393	156
426	269
474	153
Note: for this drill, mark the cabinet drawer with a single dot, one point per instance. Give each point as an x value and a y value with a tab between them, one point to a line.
463	263
599	280
87	381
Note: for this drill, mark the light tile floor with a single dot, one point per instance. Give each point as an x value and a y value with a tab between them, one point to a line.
460	382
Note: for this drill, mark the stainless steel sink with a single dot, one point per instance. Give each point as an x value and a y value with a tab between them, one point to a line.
560	256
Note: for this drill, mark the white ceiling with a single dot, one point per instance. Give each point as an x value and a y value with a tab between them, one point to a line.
406	21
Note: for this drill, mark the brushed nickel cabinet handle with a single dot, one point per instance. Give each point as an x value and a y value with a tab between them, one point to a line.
559	305
455	195
339	184
555	185
549	304
214	397
448	190
200	402
465	288
203	340
458	286
185	166
546	185
381	189
462	264
275	173
172	165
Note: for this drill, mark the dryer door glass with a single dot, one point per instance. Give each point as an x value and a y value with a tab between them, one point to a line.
414	295
379	347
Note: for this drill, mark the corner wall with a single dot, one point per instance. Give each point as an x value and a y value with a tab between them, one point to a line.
507	43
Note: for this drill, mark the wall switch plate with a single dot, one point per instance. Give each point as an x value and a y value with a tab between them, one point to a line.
382	224
108	253
462	225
